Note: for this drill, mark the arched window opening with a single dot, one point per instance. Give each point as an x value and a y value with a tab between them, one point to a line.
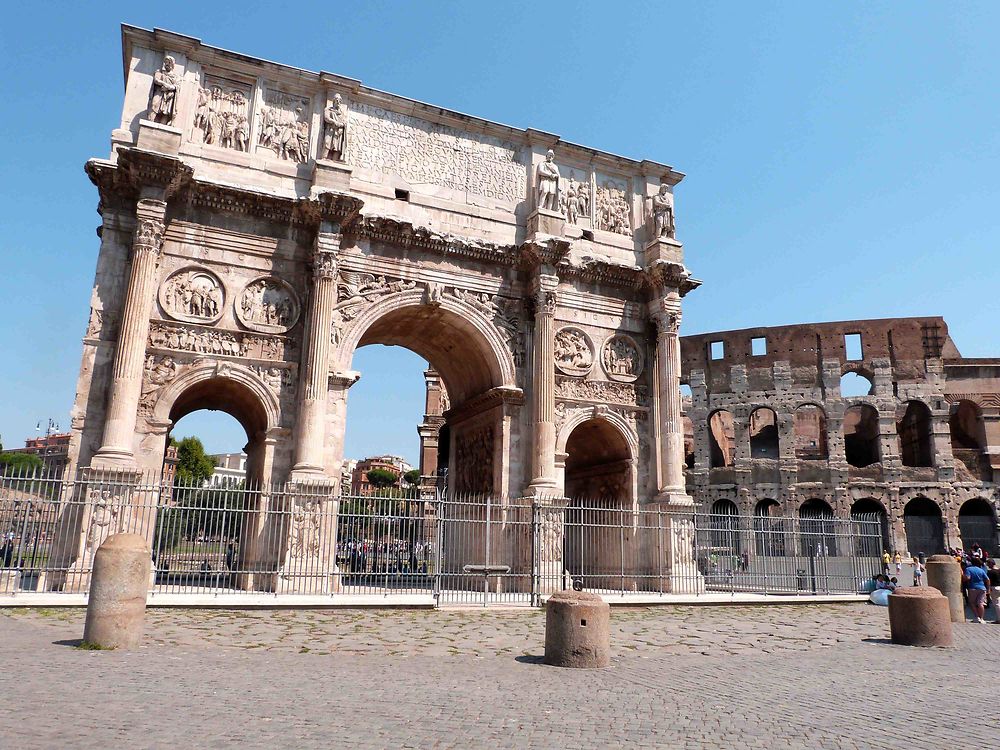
809	425
764	433
871	527
968	442
855	384
818	532
722	439
914	430
861	436
688	441
977	524
924	527
769	529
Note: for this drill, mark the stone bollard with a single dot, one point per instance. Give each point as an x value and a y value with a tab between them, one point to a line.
945	575
919	616
577	630
117	605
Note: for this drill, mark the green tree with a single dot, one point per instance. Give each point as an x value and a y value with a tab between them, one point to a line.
20	463
381	478
412	477
194	467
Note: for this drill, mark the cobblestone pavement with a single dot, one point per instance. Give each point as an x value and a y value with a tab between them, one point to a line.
791	676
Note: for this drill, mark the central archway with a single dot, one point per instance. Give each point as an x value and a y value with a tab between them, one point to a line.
457	335
924	527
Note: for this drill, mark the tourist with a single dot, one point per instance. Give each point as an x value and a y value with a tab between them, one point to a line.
898	559
976	581
977	552
885	562
918	570
993	573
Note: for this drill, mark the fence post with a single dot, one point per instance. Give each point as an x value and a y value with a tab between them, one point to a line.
438	538
536	600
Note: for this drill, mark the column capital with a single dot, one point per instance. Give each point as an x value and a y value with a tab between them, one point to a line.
149	227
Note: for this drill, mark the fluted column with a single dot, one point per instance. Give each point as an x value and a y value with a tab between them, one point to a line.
668	363
316	357
543	464
126	380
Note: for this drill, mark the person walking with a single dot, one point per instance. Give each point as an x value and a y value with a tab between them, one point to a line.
918	571
885	562
976	581
898	559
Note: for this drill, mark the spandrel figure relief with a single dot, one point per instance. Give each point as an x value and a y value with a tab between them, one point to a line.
268	305
335	130
613	212
284	126
194	295
222	116
163	99
574	352
548	183
621	359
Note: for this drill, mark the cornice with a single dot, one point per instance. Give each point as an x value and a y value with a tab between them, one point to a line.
490	399
662	273
398	232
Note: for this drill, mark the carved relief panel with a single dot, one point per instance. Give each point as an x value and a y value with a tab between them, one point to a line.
284	125
268	305
613	209
222	116
575	196
574	352
622	358
192	294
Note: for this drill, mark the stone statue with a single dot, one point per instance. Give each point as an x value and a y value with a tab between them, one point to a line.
335	136
663	214
163	105
548	183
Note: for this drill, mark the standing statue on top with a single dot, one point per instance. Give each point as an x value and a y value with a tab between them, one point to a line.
548	183
335	135
163	104
663	214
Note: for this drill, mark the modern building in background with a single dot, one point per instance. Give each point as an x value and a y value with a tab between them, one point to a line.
359	476
52	448
229	468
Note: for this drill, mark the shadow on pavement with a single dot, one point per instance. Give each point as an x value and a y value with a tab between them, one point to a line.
530	659
74	642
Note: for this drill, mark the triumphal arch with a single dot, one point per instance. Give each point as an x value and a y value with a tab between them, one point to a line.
261	222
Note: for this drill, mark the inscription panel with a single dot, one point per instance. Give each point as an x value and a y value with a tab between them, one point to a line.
425	152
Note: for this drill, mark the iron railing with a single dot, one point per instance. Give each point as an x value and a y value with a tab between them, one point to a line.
304	539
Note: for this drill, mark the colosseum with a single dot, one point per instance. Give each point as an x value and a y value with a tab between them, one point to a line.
835	419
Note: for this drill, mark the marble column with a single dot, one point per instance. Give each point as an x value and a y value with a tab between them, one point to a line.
543	457
311	422
117	445
668	363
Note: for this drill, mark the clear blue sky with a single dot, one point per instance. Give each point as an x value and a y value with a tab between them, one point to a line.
841	157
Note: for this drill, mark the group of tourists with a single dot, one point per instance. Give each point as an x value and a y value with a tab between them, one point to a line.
980	577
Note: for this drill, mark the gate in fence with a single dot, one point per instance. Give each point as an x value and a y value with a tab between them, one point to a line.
234	539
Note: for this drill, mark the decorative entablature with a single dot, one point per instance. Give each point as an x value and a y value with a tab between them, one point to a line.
404	234
120	184
663	274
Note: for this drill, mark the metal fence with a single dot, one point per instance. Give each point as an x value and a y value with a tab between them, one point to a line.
297	539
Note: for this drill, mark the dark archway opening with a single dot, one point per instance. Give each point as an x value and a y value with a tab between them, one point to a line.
725	529
769	528
861	437
914	430
924	527
867	513
968	442
977	524
817	529
764	434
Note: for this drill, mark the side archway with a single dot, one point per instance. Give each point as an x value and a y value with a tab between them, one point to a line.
924	527
977	524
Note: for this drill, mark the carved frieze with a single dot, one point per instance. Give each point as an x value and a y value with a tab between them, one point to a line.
425	152
284	126
276	378
356	291
96	323
216	342
192	294
599	391
622	358
613	213
160	369
474	459
222	117
268	305
307	515
574	198
574	353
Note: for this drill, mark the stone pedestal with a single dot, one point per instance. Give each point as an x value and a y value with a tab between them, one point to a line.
945	575
154	136
919	616
330	175
116	608
577	630
550	566
664	249
310	555
545	221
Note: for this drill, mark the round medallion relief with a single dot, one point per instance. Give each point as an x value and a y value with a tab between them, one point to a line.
268	305
621	358
574	353
193	294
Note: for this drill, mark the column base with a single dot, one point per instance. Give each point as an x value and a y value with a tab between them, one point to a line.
543	489
675	500
114	459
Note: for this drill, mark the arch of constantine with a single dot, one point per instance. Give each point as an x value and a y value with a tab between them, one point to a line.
259	223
